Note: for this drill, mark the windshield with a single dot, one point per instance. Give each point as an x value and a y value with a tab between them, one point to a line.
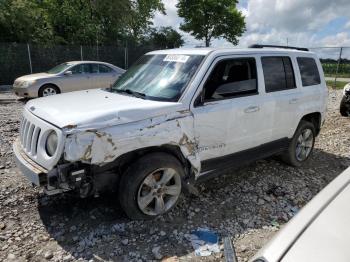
158	77
59	68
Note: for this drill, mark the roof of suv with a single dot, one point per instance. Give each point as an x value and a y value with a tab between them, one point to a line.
205	51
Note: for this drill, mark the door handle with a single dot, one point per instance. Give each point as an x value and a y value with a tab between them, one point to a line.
251	109
293	101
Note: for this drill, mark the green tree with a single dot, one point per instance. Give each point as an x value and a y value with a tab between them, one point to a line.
165	37
76	21
138	20
208	19
24	21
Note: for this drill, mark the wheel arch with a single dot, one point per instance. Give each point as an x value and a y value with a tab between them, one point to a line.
48	84
315	119
122	162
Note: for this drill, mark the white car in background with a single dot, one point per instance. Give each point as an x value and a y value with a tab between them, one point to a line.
319	233
345	102
67	77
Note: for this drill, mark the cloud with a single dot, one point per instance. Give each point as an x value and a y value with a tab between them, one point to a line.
294	16
298	22
172	19
302	22
347	25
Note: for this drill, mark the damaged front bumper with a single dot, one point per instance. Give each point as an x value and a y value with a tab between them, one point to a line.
64	177
35	173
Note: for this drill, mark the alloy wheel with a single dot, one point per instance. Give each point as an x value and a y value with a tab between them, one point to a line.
304	144
49	91
159	191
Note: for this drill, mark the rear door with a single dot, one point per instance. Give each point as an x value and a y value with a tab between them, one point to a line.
107	75
282	94
95	80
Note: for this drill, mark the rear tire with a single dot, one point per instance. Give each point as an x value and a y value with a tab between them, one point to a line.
151	186
301	146
48	90
344	107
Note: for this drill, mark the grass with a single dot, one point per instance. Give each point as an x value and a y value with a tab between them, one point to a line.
339	84
339	75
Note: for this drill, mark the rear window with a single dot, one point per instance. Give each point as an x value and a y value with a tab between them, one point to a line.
278	73
308	71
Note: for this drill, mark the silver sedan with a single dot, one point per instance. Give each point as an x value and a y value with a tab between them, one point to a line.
67	77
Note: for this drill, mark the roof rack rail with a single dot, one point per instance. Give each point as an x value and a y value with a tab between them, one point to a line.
279	46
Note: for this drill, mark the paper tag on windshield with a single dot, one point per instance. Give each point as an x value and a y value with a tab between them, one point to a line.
176	58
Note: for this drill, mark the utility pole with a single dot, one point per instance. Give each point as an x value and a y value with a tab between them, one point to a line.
30	59
81	53
336	72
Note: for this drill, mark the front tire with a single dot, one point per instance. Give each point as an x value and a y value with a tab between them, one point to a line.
151	186
301	146
48	90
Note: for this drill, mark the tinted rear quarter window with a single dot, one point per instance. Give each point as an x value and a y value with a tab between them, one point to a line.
308	71
278	73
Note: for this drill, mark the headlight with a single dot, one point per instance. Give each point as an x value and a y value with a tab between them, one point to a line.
26	84
51	143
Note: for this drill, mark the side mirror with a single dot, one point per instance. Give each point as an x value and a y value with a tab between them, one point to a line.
68	73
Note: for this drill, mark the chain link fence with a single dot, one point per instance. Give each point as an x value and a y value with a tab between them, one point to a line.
23	59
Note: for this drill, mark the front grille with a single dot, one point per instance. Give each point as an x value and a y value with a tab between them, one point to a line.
32	138
29	137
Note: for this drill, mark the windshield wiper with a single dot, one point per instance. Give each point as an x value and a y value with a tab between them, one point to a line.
131	92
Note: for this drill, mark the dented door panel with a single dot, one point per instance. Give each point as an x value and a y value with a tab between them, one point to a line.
212	124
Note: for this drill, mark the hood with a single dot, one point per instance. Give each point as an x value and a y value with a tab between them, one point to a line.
96	109
34	77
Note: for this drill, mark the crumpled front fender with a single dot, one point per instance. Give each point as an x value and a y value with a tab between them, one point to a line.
102	146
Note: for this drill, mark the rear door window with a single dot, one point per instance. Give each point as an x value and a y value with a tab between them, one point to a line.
104	69
278	73
81	69
94	68
308	71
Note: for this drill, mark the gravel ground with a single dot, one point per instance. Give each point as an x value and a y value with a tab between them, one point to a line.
249	205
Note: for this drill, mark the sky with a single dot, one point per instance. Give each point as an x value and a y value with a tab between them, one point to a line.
307	23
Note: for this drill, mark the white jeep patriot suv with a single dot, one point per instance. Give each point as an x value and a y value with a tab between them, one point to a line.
174	117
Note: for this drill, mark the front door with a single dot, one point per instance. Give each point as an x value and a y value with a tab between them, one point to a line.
80	79
230	117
